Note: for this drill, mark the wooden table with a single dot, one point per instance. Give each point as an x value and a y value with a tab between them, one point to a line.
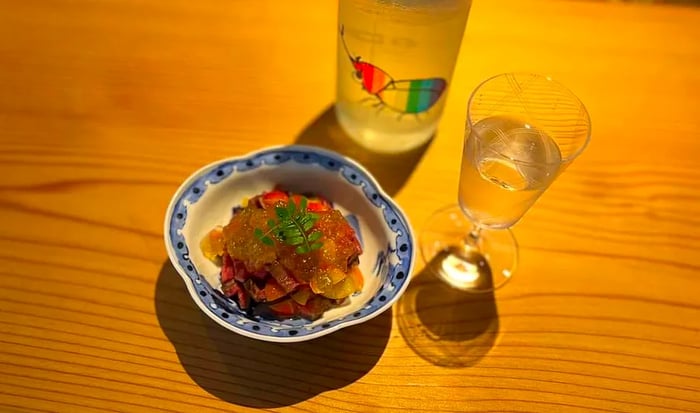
106	106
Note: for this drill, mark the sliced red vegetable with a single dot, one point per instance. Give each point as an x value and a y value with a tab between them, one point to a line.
318	205
271	198
296	198
313	204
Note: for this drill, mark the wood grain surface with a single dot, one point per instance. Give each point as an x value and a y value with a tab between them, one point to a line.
107	105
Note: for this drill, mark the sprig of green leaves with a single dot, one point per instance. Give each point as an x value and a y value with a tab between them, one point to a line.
294	226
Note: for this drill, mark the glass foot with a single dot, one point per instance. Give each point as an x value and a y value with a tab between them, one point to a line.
476	265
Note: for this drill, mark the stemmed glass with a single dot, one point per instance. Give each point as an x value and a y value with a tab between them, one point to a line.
522	131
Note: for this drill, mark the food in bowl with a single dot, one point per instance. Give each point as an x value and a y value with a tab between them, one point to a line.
204	201
286	255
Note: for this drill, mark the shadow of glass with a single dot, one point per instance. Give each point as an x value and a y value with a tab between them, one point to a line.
446	326
391	170
259	374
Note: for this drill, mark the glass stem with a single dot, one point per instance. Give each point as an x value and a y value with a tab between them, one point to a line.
473	237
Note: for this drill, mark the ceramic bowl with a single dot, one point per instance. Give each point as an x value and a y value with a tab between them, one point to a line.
207	197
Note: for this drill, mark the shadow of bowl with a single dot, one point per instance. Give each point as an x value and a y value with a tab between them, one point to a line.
259	374
391	170
446	326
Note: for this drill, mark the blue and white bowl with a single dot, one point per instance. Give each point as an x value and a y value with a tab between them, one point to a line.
207	197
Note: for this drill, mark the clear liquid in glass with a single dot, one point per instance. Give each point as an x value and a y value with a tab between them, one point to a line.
507	164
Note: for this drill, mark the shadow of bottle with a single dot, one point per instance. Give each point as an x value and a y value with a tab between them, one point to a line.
446	326
259	374
391	170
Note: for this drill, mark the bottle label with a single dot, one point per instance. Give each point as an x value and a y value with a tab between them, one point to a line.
404	96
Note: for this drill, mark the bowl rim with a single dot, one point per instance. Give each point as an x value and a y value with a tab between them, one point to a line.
172	254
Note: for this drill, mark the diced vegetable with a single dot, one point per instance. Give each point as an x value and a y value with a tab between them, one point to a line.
340	290
325	280
302	295
212	244
357	278
318	205
272	198
320	282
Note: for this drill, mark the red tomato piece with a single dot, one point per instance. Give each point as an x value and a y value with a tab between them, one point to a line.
318	205
296	199
270	199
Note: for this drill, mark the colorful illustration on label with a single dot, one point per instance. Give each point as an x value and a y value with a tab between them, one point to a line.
404	96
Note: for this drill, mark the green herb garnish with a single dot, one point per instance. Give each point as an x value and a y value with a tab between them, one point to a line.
293	227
